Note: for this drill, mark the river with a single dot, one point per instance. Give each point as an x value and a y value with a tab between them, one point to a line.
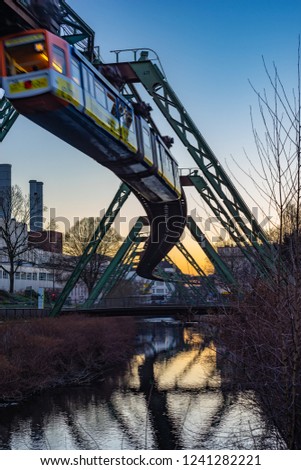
174	394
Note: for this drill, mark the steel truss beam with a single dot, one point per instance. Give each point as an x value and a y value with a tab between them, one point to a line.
120	264
74	30
103	227
123	269
227	222
181	278
8	115
210	287
179	285
233	204
212	255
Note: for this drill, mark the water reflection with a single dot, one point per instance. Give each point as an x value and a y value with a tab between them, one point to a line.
170	397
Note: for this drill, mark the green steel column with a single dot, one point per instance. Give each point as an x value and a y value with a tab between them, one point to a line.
8	115
160	271
227	222
104	225
177	116
121	270
196	266
101	283
168	279
184	279
213	256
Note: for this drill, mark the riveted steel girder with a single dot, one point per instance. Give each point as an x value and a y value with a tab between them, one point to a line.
182	278
212	255
103	227
224	190
233	229
210	287
117	266
8	115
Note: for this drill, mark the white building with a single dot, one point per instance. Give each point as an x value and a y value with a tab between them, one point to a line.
37	269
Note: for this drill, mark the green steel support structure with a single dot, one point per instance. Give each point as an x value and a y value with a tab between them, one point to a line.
227	222
182	278
179	287
8	115
129	262
104	225
212	255
123	269
210	287
74	30
112	270
233	204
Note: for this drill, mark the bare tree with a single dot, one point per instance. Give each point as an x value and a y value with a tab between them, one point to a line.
265	334
77	239
14	210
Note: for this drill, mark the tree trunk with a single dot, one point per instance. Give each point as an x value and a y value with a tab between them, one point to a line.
11	277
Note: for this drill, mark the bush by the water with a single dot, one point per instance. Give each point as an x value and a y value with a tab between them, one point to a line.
48	352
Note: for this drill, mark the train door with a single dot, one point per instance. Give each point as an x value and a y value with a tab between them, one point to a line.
113	121
76	85
60	65
176	177
167	167
86	90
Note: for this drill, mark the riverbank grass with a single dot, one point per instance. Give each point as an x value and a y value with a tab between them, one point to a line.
49	352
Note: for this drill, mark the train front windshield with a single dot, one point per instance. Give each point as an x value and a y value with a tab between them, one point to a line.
25	54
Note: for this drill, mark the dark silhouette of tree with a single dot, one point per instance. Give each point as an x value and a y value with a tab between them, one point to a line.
265	334
77	239
14	210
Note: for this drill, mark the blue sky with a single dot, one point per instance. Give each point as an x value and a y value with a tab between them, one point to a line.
209	50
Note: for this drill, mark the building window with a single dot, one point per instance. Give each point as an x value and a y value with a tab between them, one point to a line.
34	276
5	275
17	276
28	276
0	273
42	276
160	291
50	277
23	276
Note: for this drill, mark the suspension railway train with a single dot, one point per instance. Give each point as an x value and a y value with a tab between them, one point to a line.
50	82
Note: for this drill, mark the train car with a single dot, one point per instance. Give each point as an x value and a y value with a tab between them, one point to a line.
51	83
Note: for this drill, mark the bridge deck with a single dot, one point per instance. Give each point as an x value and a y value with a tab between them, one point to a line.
155	310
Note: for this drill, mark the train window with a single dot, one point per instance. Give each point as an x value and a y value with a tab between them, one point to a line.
159	156
25	54
85	79
112	107
58	59
176	176
100	95
147	144
167	166
91	84
75	72
146	137
126	115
